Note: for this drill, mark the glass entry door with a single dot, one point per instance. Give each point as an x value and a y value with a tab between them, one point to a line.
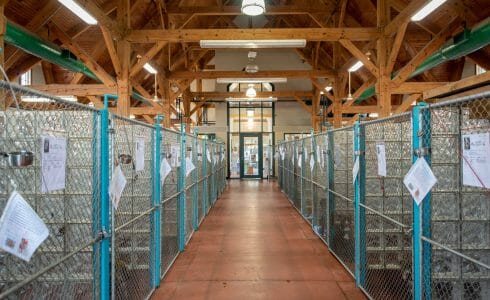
250	155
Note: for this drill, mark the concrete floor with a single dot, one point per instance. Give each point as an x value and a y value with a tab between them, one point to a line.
254	245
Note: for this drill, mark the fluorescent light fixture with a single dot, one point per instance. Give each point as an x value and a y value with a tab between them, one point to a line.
251	92
251	80
150	69
328	88
373	115
132	116
356	66
253	7
427	9
270	99
293	43
79	11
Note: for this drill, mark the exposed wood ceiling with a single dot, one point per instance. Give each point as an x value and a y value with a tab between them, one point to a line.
166	32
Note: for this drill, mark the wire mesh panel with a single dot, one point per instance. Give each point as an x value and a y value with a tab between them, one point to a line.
306	185
342	224
62	267
169	198
200	178
388	216
320	204
459	234
131	239
189	198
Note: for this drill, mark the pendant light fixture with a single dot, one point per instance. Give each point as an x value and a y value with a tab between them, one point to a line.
251	92
253	7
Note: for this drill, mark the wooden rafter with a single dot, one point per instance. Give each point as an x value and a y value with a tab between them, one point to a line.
432	46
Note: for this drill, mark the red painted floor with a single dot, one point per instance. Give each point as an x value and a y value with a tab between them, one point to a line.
254	245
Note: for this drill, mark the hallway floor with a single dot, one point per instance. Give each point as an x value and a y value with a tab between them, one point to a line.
254	245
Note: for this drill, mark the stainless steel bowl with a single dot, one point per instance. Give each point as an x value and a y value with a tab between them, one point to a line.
20	159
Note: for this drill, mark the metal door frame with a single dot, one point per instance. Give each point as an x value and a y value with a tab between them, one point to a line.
259	154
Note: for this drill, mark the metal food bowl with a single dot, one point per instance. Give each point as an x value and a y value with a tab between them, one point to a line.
19	159
125	159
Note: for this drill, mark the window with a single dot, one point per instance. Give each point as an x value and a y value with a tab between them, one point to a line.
480	70
25	79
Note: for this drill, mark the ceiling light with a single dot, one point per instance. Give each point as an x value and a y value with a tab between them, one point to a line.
294	43
328	88
252	68
251	80
253	7
427	9
356	66
79	11
150	69
251	92
270	99
373	115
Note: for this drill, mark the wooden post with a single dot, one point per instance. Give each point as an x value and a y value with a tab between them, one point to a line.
337	103
3	23
124	54
384	81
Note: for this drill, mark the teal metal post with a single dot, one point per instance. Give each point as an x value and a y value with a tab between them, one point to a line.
421	137
156	213
195	208
181	187
205	190
330	185
359	211
302	181
314	196
105	205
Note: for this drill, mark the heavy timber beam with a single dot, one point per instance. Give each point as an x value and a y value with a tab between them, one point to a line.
310	34
240	74
79	90
404	16
229	10
416	87
278	94
463	84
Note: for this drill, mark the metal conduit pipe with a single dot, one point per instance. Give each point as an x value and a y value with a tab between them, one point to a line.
29	42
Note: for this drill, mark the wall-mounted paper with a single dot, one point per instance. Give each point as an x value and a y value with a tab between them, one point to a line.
189	166
21	229
139	163
476	159
419	180
53	163
165	169
116	188
381	155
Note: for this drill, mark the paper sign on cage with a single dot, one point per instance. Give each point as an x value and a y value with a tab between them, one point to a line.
300	161
419	180
53	163
476	159
21	229
189	166
165	169
381	155
208	155
139	163
116	188
312	162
